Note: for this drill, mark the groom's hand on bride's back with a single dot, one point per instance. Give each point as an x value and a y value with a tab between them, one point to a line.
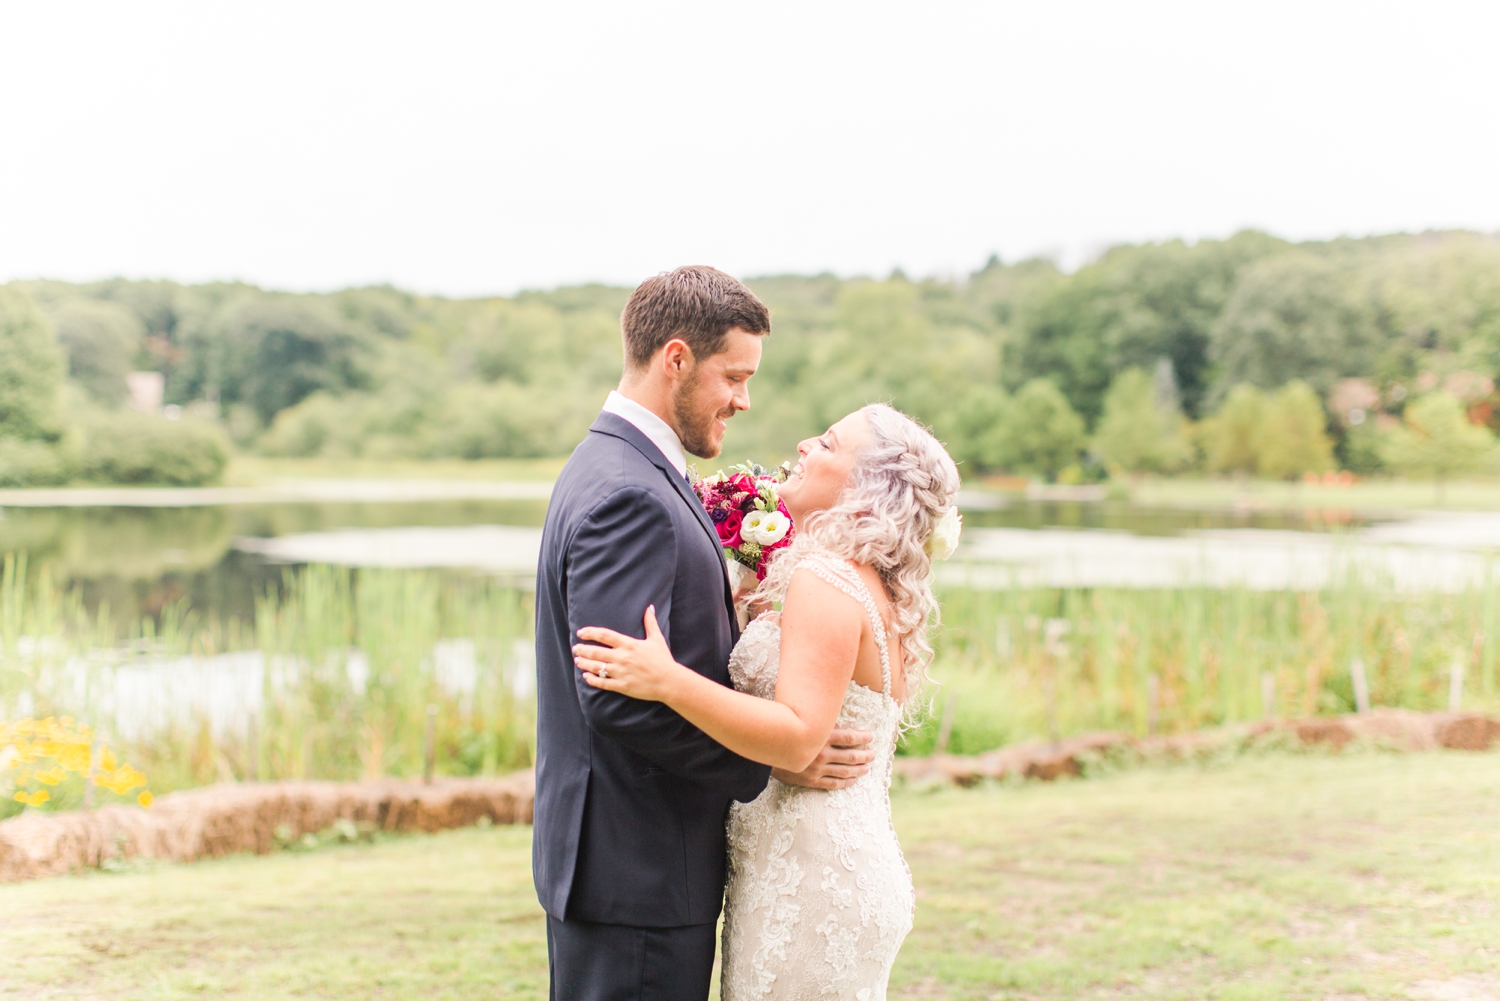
845	757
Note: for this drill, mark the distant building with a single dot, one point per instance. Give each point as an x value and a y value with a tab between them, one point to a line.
145	391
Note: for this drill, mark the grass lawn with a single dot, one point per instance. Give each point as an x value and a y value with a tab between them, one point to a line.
1280	877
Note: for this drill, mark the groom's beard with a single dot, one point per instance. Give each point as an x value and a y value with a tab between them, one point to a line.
700	435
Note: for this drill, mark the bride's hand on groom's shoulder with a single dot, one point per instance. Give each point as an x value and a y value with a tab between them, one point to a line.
845	758
642	669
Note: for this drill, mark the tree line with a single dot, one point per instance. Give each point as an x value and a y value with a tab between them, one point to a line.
1250	354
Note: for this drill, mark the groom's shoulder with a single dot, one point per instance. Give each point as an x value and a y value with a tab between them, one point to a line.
603	464
604	454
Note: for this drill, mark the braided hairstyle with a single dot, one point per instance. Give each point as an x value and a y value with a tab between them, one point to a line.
899	488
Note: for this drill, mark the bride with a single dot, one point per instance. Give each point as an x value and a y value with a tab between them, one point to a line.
819	896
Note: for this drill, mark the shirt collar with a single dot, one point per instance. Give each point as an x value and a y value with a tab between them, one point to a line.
650	425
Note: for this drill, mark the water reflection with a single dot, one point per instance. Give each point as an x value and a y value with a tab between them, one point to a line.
128	543
999	511
1443	557
220	558
139	560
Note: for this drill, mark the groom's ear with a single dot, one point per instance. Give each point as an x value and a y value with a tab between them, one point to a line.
676	358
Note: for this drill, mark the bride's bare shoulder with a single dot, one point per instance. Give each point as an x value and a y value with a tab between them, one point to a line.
815	595
853	579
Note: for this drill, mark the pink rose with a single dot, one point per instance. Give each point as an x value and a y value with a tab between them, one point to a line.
729	529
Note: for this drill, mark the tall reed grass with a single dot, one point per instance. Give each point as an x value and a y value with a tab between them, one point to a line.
1032	664
336	677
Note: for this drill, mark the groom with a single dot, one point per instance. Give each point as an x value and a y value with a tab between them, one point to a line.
631	799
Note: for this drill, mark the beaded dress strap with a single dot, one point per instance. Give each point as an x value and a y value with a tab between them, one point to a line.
842	575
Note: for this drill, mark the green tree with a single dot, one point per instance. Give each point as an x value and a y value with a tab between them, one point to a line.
31	370
1293	438
128	447
1139	432
1435	439
842	345
996	288
379	371
1442	293
975	430
1060	337
1231	437
32	463
1132	307
101	340
273	352
1293	316
1040	433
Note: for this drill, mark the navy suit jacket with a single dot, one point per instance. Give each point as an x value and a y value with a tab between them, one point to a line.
631	799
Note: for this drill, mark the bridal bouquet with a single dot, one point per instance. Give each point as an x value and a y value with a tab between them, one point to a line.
752	523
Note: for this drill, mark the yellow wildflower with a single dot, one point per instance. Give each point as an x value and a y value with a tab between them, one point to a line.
47	751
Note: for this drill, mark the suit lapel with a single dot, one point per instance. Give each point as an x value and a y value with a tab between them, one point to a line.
619	427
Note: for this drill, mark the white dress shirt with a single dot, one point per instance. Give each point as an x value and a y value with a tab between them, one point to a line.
650	425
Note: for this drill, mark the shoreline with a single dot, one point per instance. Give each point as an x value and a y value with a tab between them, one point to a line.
292	492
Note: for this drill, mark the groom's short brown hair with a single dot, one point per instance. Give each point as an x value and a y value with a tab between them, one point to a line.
698	304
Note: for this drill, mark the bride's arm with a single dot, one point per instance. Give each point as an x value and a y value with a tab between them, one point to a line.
820	636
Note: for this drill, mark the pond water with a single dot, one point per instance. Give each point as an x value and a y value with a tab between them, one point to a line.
141	559
219	549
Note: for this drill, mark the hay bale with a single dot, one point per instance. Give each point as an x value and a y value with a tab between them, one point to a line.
254	817
1037	760
1334	732
1048	766
1467	732
959	769
1402	728
1186	746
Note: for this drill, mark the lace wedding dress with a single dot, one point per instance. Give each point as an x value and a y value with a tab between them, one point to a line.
819	895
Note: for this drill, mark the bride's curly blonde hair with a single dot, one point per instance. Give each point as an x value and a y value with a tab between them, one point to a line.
899	488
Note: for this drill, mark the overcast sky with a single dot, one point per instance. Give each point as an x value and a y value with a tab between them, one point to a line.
469	149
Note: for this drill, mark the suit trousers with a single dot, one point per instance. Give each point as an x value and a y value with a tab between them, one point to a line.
597	962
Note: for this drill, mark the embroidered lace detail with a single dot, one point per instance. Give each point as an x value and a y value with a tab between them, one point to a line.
819	896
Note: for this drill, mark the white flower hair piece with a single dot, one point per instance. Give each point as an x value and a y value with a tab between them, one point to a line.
944	540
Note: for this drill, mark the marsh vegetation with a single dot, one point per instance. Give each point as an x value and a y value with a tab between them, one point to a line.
333	672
